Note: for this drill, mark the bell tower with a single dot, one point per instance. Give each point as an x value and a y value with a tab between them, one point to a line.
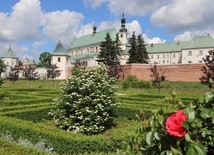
123	33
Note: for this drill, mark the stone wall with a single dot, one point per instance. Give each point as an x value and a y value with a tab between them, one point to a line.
179	72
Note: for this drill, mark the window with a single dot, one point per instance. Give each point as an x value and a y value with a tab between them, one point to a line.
167	61
167	55
121	36
151	56
189	53
200	61
87	50
164	56
59	59
163	61
200	52
158	56
96	49
173	55
189	62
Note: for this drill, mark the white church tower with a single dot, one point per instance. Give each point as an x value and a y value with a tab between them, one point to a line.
123	33
10	59
61	58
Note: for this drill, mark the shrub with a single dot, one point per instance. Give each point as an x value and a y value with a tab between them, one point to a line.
86	104
133	82
177	129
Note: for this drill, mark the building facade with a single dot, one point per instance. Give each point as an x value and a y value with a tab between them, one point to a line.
86	48
62	60
9	58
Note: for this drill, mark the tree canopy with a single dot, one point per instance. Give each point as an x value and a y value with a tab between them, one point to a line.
2	66
137	52
109	56
208	70
45	59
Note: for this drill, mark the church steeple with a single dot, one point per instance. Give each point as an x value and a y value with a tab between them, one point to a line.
123	24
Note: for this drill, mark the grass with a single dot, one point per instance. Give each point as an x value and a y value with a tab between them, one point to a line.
32	100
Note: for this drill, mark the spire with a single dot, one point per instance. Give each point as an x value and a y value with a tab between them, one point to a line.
94	29
10	53
60	49
123	24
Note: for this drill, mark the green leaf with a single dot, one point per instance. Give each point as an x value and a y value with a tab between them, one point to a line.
175	151
186	125
196	149
156	134
149	138
190	114
207	113
187	138
209	96
202	99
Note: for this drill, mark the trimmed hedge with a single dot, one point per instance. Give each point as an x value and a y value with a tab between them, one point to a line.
12	148
65	142
37	114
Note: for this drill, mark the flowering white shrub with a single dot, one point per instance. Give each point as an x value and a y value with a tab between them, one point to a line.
86	104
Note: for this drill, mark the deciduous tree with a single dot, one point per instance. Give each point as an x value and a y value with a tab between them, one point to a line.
2	68
45	59
53	72
157	74
208	70
13	74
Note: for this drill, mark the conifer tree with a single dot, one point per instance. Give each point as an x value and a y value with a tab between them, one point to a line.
133	51
137	52
142	52
109	56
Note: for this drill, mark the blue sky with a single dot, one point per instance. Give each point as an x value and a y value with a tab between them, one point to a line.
31	27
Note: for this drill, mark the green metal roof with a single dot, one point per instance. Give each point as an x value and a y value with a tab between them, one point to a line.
93	38
197	42
200	42
10	53
166	47
84	56
60	49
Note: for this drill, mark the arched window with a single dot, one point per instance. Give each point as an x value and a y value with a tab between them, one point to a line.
59	59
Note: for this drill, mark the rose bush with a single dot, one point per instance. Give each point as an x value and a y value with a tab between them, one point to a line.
176	130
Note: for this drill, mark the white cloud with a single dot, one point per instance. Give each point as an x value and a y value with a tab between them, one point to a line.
134	26
85	30
133	7
94	3
154	40
18	49
22	23
61	24
185	15
186	36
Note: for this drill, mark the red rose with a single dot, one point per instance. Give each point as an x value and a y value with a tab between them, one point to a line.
174	124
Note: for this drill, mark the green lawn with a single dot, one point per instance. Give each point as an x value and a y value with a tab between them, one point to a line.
24	114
